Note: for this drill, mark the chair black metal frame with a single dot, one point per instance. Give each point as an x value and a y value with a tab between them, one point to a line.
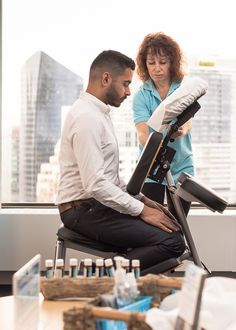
154	163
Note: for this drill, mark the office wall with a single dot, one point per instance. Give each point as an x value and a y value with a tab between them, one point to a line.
24	233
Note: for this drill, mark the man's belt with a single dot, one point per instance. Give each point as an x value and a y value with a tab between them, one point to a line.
68	205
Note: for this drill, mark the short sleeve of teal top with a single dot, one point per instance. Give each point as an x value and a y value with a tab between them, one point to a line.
145	101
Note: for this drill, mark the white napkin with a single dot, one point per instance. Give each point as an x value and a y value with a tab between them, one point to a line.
218	308
187	93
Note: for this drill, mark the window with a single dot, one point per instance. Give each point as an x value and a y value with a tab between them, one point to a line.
47	48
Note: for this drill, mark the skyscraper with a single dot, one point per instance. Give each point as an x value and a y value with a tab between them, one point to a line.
212	130
46	87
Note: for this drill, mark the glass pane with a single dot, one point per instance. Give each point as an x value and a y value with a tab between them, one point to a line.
48	46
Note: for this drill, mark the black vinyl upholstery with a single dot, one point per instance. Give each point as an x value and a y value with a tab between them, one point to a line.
67	235
192	190
145	163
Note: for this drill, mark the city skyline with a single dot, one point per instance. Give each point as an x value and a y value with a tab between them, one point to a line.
209	162
64	31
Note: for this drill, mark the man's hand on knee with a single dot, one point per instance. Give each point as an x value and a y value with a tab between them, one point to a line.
149	202
158	218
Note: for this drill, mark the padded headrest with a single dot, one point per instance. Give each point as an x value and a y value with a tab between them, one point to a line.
190	90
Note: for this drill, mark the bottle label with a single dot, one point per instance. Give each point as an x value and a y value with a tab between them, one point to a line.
87	271
110	271
99	271
49	273
73	271
136	272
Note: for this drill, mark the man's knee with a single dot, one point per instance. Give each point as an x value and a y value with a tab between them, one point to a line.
176	243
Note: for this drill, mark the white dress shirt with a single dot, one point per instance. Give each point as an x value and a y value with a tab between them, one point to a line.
89	158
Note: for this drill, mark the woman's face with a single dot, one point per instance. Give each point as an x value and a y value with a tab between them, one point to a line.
158	67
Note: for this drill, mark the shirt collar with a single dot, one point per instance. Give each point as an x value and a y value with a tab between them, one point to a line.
173	87
149	85
101	105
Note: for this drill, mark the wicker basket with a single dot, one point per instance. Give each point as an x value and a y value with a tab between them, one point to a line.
157	286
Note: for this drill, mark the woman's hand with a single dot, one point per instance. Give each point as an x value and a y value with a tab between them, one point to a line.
183	130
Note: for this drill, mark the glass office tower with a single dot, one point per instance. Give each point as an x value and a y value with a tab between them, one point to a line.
212	132
46	87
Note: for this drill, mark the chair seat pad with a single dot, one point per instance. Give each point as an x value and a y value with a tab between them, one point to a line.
66	234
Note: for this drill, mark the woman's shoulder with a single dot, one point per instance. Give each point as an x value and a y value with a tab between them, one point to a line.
144	89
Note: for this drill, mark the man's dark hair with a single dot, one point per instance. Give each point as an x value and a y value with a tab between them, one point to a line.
112	61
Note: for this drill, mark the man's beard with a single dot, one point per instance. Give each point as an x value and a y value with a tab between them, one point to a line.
113	98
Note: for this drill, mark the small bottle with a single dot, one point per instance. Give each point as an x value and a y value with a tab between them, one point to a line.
59	269
109	267
118	261
73	270
125	265
49	268
87	267
135	264
99	272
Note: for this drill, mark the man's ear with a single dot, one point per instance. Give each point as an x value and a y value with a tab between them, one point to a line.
106	79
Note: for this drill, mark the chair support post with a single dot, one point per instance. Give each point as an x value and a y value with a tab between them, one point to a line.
182	219
60	253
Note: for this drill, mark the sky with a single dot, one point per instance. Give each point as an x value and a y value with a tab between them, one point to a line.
73	32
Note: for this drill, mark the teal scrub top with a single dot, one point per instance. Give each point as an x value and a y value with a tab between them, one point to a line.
145	101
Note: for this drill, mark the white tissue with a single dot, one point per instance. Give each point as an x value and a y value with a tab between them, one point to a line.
218	308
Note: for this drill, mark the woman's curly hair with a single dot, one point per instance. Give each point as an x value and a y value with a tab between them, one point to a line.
161	44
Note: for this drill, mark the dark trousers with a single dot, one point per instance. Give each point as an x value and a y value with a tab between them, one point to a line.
157	192
145	242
